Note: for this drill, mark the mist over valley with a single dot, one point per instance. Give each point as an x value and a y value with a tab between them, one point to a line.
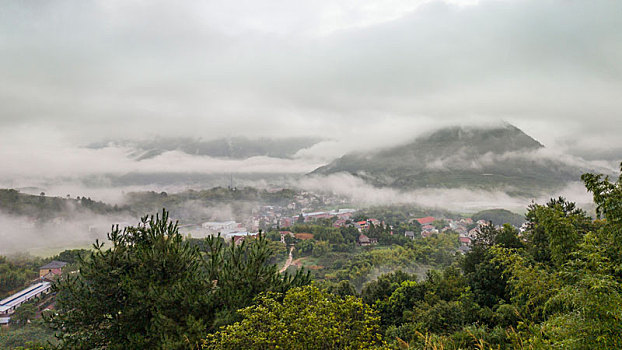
327	174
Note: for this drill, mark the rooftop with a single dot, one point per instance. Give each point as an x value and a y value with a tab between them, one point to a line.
54	264
21	296
426	220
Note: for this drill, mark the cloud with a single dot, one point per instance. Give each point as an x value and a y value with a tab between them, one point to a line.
48	238
39	154
541	156
460	200
96	69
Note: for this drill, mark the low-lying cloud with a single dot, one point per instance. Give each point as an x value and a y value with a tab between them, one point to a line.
454	199
36	154
25	234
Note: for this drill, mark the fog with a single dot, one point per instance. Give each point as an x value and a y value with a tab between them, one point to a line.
460	200
358	75
24	234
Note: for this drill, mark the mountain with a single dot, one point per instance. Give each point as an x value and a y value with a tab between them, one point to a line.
501	157
236	147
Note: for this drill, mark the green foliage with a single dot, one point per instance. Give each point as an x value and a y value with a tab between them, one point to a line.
274	236
484	273
148	290
152	289
71	256
241	272
440	303
23	314
33	336
499	217
361	265
44	208
555	230
342	289
320	248
306	318
384	286
17	273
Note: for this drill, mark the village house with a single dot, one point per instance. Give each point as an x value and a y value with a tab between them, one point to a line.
409	234
340	223
366	241
54	268
285	233
221	226
238	237
426	220
374	222
465	241
363	225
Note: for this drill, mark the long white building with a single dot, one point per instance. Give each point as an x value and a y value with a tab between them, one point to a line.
9	304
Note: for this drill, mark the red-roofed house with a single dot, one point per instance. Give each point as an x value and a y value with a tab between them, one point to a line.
428	228
465	240
426	220
363	224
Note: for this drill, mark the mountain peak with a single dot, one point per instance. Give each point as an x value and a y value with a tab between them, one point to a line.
471	156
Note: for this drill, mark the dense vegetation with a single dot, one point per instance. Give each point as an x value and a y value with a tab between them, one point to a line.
556	285
499	217
18	270
152	289
16	274
43	207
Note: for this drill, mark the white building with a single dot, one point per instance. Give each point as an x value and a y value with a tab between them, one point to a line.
9	304
221	226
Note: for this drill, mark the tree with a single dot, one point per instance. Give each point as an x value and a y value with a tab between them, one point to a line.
152	289
485	275
24	314
241	272
574	300
306	318
608	199
149	290
320	248
384	286
555	230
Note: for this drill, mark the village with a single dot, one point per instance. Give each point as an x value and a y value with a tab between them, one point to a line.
284	221
274	218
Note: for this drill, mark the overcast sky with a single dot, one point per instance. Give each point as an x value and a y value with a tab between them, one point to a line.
377	71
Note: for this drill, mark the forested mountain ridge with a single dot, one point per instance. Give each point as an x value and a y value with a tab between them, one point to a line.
234	147
46	207
502	157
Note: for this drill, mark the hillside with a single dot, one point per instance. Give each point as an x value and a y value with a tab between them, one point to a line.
499	217
502	157
44	207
